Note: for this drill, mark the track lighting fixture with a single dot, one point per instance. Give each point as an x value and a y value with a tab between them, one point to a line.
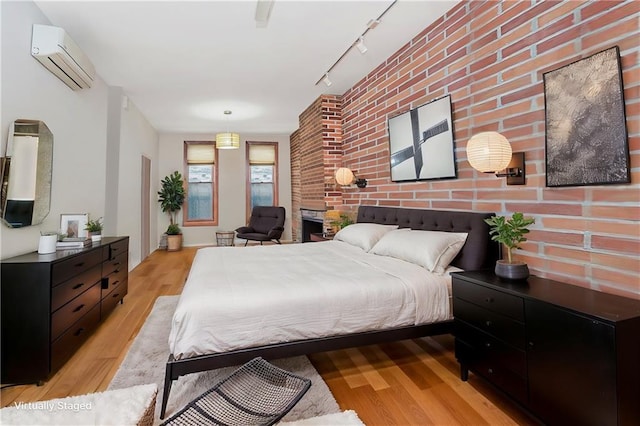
326	80
360	45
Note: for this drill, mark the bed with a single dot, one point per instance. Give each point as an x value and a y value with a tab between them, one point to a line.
326	296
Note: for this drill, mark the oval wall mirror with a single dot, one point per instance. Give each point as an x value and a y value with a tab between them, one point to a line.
25	193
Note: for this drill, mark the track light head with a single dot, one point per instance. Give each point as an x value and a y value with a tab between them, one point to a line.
326	80
361	46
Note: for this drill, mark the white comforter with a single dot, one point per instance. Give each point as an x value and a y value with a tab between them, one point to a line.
240	297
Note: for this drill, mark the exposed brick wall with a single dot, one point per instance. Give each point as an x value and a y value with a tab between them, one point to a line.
296	195
490	56
316	152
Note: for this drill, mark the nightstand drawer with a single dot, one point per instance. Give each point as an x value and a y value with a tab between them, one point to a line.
505	379
487	347
505	304
499	326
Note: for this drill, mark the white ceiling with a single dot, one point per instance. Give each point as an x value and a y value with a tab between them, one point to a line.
184	62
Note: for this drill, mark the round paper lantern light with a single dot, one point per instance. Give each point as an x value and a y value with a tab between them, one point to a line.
344	176
488	152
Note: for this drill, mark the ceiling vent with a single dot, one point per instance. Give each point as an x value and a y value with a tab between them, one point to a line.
53	47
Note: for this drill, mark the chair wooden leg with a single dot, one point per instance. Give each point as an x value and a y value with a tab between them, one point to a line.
260	242
246	242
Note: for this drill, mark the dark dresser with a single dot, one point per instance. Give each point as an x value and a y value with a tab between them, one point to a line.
52	302
568	354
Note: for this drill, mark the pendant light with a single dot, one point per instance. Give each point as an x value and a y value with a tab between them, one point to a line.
227	140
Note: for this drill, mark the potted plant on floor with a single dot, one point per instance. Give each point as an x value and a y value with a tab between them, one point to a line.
95	229
171	197
510	232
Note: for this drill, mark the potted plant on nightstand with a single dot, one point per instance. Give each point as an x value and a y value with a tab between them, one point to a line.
171	197
95	229
510	232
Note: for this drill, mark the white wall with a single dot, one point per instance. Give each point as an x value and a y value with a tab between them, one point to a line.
231	185
137	138
79	123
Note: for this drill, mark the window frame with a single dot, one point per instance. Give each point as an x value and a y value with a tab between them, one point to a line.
214	184
248	174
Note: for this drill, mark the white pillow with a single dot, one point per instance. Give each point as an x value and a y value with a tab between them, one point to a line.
433	250
363	235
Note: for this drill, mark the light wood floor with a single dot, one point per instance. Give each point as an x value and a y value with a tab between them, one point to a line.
413	382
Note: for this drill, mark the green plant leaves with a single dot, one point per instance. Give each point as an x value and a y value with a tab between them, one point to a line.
510	232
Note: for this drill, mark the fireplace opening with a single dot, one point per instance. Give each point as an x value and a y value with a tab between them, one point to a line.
312	223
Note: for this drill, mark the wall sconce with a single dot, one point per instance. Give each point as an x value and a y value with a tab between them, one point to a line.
490	152
344	176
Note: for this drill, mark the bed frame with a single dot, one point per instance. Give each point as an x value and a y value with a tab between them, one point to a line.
479	252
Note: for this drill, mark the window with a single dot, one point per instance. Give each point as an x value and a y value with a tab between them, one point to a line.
201	206
262	176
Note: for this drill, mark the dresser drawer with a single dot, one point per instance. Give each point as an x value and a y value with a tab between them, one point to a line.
112	282
502	303
118	264
118	248
69	341
62	271
499	326
74	287
487	347
112	299
64	317
508	381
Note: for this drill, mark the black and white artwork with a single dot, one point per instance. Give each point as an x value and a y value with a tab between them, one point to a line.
586	134
421	143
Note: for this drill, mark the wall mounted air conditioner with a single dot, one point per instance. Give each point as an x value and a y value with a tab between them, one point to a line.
53	47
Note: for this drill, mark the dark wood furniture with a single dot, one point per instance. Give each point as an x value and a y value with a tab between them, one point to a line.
52	302
319	236
478	252
568	354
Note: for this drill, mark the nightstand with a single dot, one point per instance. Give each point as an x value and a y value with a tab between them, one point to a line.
318	236
566	353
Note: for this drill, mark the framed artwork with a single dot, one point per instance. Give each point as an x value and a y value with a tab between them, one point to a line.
421	143
73	225
586	134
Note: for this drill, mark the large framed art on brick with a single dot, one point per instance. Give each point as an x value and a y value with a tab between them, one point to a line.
586	134
421	143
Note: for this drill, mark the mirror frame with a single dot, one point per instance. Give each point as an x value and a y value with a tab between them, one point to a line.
25	212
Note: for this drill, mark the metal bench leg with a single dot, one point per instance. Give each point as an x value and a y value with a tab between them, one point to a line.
168	381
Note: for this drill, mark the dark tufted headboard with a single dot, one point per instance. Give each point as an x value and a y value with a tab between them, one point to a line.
479	252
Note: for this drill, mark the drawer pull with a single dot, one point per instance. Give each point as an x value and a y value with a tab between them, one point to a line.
78	308
116	263
489	300
116	295
78	265
115	283
77	286
489	323
79	332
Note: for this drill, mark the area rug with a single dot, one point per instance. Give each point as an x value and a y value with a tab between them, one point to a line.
145	363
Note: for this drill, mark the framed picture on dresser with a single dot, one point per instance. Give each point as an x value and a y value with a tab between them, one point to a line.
73	225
